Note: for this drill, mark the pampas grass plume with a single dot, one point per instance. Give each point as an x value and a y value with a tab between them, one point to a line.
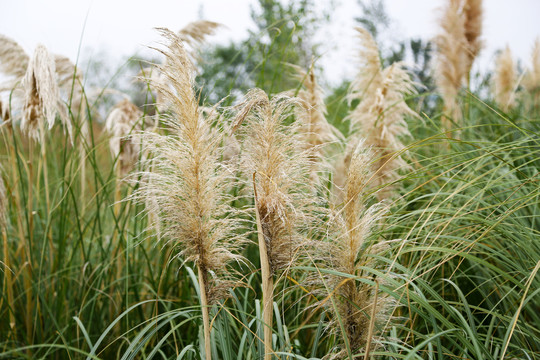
380	114
124	120
13	58
473	12
504	80
451	62
357	309
531	80
42	99
186	184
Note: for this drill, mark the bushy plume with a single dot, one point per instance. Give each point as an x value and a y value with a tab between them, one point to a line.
380	114
451	61
123	121
473	13
13	59
276	154
193	35
357	309
276	159
504	80
369	78
315	129
42	99
187	182
531	79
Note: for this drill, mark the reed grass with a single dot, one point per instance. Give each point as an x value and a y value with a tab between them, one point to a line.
445	267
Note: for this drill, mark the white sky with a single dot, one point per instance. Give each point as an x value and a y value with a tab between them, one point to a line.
124	27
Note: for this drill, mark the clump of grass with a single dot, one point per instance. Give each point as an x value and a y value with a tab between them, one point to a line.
505	80
187	184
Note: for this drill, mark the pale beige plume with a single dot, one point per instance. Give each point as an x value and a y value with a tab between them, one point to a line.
42	98
531	80
13	58
451	61
473	12
317	133
123	121
380	115
504	80
357	309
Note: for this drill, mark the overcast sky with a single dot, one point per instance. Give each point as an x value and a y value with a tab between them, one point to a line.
123	27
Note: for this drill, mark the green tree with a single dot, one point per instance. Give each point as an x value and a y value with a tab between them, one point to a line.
283	34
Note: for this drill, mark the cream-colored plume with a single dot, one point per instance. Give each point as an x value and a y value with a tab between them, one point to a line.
193	35
42	99
13	58
316	130
360	307
122	122
504	80
187	184
380	114
275	153
275	158
531	79
473	12
452	59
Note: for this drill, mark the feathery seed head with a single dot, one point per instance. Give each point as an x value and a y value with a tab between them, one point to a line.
276	154
315	128
380	115
185	182
504	80
42	100
124	120
473	13
13	58
531	80
369	77
451	61
348	250
195	33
